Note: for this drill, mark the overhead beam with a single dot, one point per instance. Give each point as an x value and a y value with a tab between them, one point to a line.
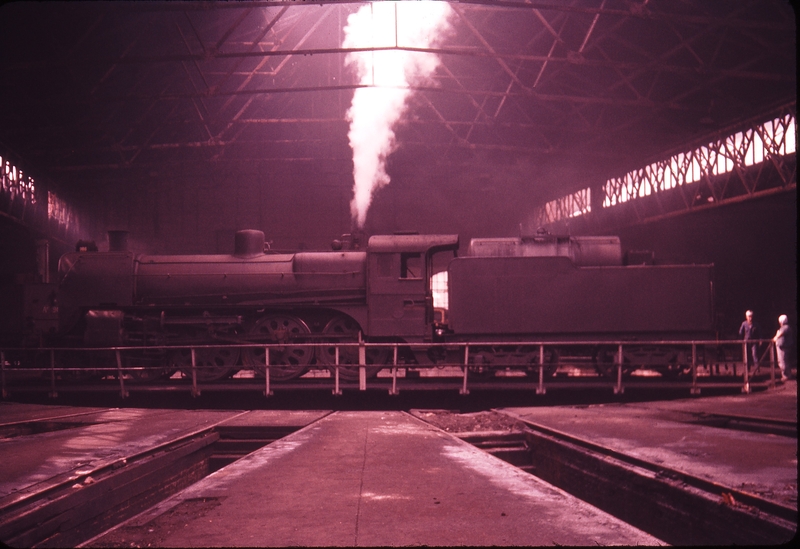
562	98
238	160
467	52
636	10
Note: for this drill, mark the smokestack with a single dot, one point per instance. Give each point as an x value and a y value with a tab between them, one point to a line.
388	74
117	241
43	260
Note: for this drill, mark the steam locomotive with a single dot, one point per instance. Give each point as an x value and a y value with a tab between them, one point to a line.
501	293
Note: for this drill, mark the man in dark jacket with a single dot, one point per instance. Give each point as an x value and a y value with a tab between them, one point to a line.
748	331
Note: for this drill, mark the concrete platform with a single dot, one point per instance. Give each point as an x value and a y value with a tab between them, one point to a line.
371	478
386	478
84	439
672	433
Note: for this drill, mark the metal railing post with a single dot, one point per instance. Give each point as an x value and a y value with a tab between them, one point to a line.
618	389
540	390
3	373
744	357
267	390
362	365
336	389
394	390
695	390
53	392
195	390
464	390
773	350
706	347
746	375
122	392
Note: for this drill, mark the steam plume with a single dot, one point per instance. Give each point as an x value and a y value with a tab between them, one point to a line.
377	108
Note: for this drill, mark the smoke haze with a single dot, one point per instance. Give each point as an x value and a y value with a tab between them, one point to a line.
377	108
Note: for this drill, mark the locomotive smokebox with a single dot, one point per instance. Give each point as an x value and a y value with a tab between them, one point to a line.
117	241
248	243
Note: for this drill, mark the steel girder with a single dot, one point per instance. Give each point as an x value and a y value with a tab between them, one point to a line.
611	80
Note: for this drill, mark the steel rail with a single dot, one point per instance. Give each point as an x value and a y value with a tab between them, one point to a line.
45	489
54	418
771	507
782	427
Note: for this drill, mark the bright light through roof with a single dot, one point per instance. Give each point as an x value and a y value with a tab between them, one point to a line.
746	148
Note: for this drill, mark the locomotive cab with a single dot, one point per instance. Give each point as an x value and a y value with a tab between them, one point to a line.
399	291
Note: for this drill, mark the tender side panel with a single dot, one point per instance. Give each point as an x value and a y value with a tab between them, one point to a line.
549	295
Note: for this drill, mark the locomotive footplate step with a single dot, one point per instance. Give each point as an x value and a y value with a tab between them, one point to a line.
370	478
716	439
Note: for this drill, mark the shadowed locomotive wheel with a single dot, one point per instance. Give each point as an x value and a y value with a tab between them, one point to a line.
213	364
343	329
81	366
655	360
603	362
552	360
28	364
289	360
143	367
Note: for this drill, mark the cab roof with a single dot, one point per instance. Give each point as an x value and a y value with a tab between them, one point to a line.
427	243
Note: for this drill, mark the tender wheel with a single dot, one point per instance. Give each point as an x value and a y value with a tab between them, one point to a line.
288	361
213	364
603	361
480	363
343	329
552	360
679	365
655	360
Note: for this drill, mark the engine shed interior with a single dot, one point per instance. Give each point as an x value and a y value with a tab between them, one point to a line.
398	273
670	126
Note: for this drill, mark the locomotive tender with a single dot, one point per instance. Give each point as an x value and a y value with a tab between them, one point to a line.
503	292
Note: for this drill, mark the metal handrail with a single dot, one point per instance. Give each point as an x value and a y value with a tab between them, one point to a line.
618	364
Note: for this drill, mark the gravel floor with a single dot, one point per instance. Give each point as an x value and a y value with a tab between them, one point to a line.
468	423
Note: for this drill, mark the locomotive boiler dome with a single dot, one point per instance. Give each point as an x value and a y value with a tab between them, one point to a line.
248	243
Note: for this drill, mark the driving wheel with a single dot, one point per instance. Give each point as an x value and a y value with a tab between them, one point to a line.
212	363
343	329
289	359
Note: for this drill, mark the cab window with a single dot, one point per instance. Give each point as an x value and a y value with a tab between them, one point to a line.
411	265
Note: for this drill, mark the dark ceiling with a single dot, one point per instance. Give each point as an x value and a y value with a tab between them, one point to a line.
101	93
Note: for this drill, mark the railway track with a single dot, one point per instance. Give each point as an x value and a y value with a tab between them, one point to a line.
46	424
70	508
670	504
765	425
